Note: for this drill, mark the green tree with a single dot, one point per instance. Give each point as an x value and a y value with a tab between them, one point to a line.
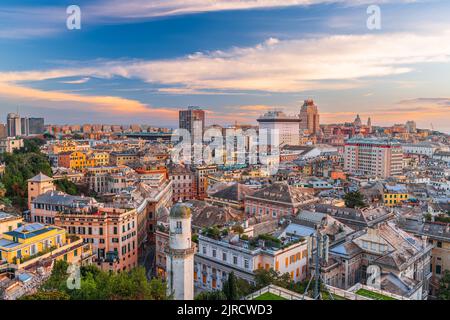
158	289
354	200
100	285
67	186
238	229
444	286
211	295
230	288
47	295
264	278
20	166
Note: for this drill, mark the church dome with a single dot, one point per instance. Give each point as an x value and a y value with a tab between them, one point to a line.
180	211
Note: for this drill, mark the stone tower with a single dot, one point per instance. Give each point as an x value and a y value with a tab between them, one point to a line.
38	185
180	254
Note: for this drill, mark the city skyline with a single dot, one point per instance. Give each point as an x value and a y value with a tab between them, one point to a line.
142	63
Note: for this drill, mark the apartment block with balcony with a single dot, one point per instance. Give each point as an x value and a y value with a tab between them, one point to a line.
373	157
111	231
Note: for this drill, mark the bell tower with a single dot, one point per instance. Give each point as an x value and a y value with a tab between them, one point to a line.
180	254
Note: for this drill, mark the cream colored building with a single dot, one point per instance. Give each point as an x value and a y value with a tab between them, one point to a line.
10	144
216	258
9	222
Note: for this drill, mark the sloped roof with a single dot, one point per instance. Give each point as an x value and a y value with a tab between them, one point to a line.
40	178
206	215
235	192
282	192
61	198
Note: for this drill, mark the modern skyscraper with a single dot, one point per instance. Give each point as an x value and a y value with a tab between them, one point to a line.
14	125
286	126
309	118
36	125
192	117
24	126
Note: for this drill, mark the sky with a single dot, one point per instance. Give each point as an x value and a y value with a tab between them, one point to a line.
140	61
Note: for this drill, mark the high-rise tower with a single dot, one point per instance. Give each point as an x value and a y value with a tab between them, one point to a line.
14	125
192	117
180	254
309	117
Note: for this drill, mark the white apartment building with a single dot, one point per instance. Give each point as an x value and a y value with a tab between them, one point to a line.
375	157
424	148
287	127
216	258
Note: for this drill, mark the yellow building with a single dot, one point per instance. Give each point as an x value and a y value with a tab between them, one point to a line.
31	241
119	158
9	222
75	160
101	159
394	195
64	146
80	160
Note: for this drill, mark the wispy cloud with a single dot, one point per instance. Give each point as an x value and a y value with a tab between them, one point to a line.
135	9
79	81
337	62
32	21
71	101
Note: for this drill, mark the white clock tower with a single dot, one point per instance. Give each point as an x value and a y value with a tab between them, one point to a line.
180	254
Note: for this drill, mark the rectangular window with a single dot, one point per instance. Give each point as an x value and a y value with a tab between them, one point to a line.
179	227
438	269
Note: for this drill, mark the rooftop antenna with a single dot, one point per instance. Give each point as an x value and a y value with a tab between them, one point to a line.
321	254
